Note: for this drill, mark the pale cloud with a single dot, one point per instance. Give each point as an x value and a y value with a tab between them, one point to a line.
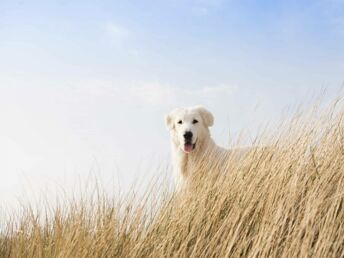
117	33
151	93
205	3
145	93
94	87
204	7
209	3
200	10
219	90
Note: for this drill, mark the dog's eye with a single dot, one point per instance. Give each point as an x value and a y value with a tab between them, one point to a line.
180	122
195	121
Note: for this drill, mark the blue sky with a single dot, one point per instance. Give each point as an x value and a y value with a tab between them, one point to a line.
84	85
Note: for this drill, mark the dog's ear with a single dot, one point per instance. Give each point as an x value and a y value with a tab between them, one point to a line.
169	121
169	118
207	117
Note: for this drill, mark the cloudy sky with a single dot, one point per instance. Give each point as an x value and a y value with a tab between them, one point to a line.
84	84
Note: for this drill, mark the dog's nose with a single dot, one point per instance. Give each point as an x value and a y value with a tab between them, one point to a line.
188	136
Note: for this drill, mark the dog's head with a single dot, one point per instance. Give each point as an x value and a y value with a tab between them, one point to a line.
189	126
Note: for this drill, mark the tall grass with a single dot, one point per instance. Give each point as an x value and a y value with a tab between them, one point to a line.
285	200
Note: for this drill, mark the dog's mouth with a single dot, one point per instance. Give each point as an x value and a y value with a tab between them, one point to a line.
189	147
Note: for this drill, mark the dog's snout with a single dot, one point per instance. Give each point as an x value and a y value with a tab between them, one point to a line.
188	136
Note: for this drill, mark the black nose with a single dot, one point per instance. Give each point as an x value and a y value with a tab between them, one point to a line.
188	136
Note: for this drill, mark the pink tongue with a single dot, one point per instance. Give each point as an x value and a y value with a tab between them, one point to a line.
188	148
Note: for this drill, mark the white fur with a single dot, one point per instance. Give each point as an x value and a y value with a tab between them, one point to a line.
184	164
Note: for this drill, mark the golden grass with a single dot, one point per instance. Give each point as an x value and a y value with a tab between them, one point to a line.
282	201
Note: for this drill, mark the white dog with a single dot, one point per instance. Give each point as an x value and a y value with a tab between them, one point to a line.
191	142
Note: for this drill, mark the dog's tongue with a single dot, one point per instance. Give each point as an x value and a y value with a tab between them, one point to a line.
188	148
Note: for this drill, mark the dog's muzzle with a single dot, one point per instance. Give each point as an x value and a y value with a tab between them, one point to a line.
189	147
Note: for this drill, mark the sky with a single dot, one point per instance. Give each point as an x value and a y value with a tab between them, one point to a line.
84	85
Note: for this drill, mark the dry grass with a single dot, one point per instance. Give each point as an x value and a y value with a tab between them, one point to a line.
281	201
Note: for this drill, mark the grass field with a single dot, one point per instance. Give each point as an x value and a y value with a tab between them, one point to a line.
282	201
